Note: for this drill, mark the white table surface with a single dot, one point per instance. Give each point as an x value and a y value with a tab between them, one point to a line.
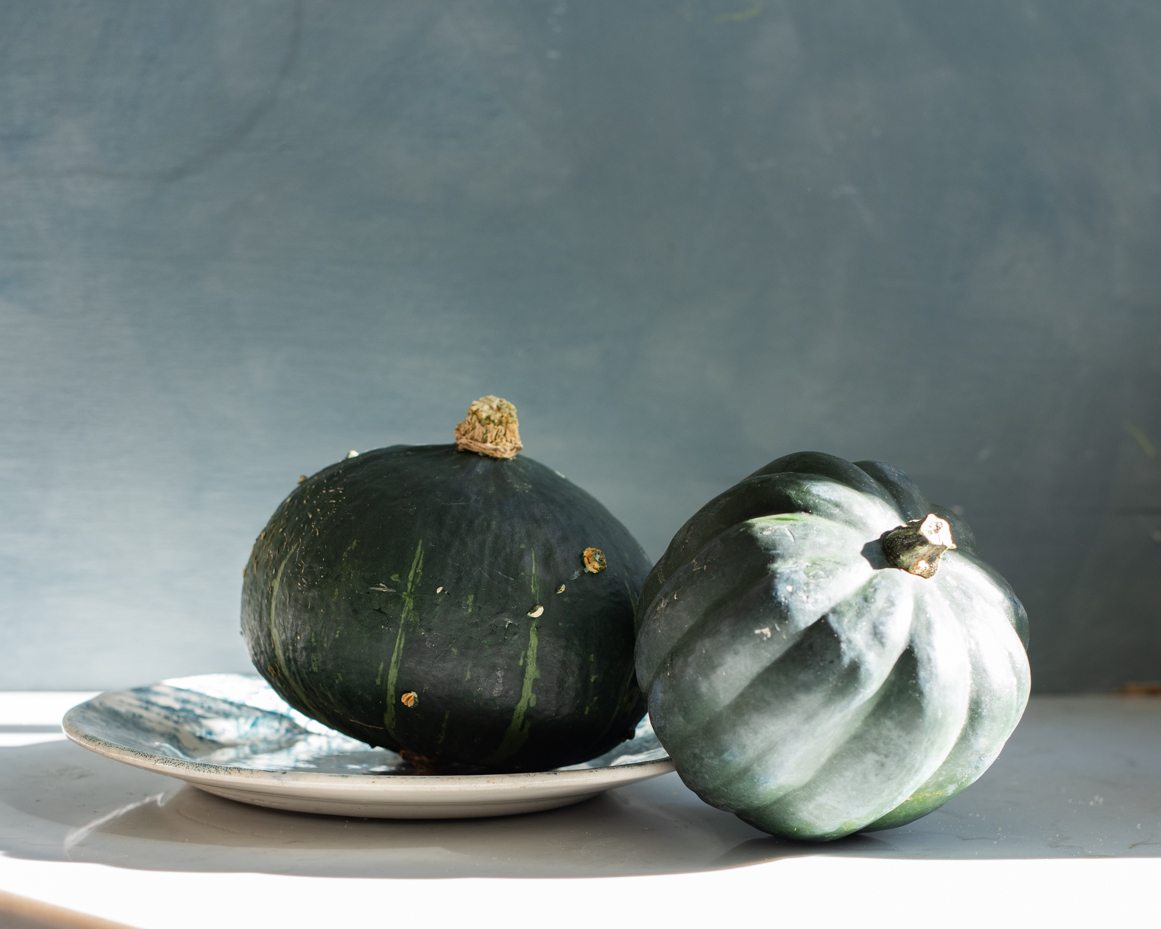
1064	830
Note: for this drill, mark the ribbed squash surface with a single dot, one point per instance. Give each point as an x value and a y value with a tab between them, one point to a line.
800	681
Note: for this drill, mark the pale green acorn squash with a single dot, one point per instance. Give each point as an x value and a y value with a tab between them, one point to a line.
814	671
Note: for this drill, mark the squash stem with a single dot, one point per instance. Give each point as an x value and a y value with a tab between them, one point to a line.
917	547
490	429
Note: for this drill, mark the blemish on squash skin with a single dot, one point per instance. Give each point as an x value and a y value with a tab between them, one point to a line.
409	699
594	560
413	579
517	733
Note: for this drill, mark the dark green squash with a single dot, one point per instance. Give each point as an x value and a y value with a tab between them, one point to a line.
460	607
824	652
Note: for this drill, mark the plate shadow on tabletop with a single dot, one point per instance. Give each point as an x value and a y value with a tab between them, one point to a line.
1079	778
59	802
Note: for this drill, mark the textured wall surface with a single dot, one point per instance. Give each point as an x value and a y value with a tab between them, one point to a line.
239	238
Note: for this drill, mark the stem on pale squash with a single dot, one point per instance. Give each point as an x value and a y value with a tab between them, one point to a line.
917	546
490	428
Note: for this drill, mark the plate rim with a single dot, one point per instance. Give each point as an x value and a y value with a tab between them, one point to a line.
468	786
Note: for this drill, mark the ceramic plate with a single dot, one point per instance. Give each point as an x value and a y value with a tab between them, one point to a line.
233	736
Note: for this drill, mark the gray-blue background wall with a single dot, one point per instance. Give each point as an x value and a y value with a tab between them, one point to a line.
238	239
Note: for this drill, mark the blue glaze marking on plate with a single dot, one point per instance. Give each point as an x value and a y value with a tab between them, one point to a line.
233	735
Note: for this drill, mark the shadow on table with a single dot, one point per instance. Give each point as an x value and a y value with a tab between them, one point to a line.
60	802
1053	793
